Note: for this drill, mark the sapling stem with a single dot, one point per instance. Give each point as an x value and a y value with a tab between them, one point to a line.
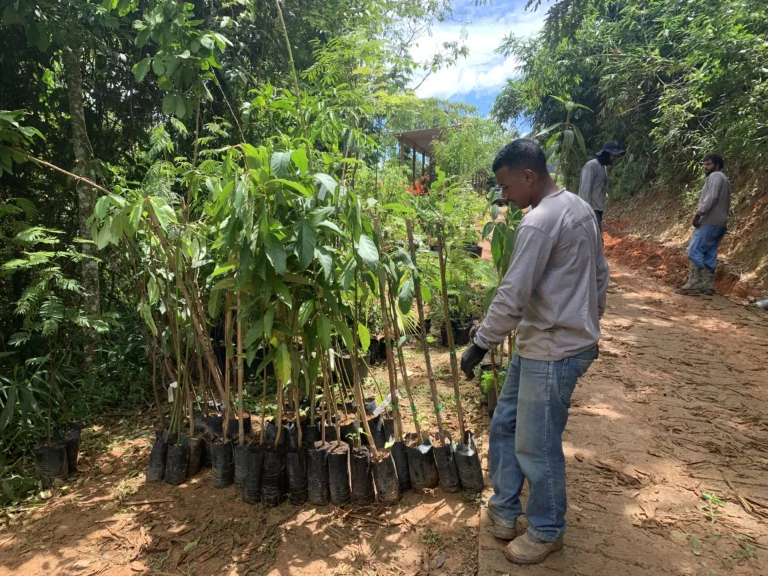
449	329
240	374
423	333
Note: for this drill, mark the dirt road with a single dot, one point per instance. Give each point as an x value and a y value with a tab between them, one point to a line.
676	407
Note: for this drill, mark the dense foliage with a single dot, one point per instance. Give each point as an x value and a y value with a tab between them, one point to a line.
670	80
190	188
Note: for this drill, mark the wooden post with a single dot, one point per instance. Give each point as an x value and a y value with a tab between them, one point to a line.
413	163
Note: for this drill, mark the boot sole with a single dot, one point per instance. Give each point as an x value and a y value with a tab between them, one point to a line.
504	533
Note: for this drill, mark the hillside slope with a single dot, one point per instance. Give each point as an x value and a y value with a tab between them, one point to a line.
654	230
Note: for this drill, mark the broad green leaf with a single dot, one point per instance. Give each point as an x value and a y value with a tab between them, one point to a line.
169	104
283	364
364	335
269	318
366	249
580	139
102	207
224	284
293	185
9	408
181	106
327	184
346	334
299	158
280	163
489	296
326	261
328	225
305	242
405	297
221	270
275	253
487	229
397	207
552	140
324	331
104	237
282	292
320	214
306	310
254	334
568	139
140	69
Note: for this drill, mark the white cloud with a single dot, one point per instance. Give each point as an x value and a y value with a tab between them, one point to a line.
483	71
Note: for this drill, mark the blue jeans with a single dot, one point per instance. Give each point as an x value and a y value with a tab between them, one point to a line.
527	442
703	247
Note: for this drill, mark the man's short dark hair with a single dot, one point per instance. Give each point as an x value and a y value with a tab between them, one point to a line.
521	153
716	159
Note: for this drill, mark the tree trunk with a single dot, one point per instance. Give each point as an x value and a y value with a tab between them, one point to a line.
85	194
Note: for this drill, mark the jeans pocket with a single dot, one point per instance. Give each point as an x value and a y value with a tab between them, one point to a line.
573	369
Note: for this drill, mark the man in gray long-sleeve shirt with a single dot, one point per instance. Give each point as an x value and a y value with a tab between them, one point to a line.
710	224
554	294
593	186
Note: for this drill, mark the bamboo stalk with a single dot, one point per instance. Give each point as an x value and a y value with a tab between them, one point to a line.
388	339
449	330
240	374
423	333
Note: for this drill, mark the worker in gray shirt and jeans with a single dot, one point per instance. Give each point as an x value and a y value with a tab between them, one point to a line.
554	294
593	186
710	224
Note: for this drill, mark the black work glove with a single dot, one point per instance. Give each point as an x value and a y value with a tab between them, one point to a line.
697	220
471	358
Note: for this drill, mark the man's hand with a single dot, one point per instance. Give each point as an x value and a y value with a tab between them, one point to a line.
471	358
697	220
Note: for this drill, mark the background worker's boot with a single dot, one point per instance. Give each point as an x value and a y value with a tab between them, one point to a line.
693	286
524	550
707	284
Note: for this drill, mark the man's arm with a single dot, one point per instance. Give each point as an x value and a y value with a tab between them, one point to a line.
709	195
585	183
529	259
603	273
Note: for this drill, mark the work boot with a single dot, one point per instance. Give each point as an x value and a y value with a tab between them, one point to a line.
523	550
502	531
707	284
693	286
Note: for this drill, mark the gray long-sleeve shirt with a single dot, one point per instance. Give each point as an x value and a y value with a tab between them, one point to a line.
593	186
715	201
554	291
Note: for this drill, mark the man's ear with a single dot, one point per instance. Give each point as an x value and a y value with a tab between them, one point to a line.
529	176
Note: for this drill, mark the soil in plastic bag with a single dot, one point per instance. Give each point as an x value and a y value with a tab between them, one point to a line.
206	452
385	478
240	457
400	457
310	432
362	477
446	468
254	466
468	464
176	461
51	460
157	458
272	477
348	432
378	433
389	429
70	435
330	433
212	425
422	467
319	491
223	463
233	430
195	456
338	472
296	465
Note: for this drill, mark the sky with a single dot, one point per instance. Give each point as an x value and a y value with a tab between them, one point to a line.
477	79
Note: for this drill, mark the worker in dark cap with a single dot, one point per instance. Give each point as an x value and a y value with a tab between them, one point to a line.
593	187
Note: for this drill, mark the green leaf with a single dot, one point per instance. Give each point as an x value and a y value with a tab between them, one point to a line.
548	130
283	364
102	207
221	270
346	334
294	185
397	207
280	163
366	249
275	253
552	139
169	104
305	244
48	78
158	67
254	334
320	214
324	331
10	407
405	297
141	69
306	310
269	319
191	545
326	261
489	296
181	106
327	184
135	218
282	292
11	16
328	225
104	237
580	139
487	229
299	158
364	335
568	139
